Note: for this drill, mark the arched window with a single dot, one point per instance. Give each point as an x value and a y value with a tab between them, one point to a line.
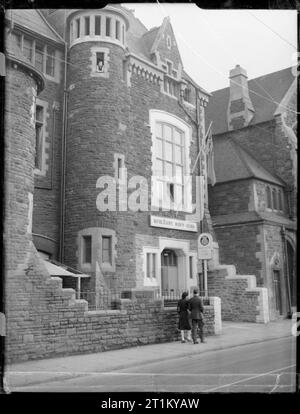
280	204
274	199
170	161
269	199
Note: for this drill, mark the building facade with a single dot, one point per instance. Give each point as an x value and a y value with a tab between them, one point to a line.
118	128
253	204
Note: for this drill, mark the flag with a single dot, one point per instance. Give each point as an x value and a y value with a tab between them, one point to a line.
211	176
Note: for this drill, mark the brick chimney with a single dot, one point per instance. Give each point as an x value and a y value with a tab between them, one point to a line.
240	109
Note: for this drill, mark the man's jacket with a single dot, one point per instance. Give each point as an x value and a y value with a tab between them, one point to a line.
196	307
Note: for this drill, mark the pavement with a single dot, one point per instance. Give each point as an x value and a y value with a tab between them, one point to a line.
47	370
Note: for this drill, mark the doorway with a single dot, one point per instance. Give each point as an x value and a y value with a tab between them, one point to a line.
169	274
277	291
291	273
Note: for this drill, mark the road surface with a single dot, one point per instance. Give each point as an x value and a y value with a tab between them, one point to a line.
267	367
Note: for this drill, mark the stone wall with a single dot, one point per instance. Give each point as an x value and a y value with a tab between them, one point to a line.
45	320
241	299
240	245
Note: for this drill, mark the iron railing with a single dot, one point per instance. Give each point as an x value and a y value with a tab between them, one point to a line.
172	296
106	299
101	300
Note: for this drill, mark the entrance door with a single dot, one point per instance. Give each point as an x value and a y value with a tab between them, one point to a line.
277	290
169	273
292	273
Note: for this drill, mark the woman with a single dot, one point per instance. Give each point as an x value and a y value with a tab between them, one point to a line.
184	323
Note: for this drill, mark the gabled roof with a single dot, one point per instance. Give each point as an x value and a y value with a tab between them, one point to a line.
265	92
189	79
232	162
34	21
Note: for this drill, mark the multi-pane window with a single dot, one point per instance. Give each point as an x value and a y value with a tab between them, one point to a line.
117	29
77	28
50	61
86	249
169	163
123	34
97	25
40	55
39	127
17	39
107	32
87	26
280	203
28	48
269	198
274	199
106	249
151	265
170	86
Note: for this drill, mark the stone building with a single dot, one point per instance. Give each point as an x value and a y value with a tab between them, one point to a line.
253	204
105	188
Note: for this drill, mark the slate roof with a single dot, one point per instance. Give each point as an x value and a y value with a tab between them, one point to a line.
252	216
272	86
34	21
232	162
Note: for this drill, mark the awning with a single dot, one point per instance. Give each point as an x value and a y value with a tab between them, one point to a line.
61	271
56	270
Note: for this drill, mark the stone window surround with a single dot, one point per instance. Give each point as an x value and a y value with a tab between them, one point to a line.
45	144
96	233
117	157
181	245
93	59
165	117
57	57
170	78
96	38
278	191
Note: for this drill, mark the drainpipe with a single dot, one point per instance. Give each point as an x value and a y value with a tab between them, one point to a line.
286	272
63	158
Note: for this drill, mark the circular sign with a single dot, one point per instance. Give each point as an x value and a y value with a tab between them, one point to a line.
204	240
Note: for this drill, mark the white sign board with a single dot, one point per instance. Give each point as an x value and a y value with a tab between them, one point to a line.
170	223
205	244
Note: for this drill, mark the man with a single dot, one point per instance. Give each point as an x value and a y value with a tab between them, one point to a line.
196	308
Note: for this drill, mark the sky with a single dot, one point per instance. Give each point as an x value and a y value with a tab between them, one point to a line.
211	42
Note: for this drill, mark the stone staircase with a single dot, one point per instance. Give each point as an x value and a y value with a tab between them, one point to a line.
241	299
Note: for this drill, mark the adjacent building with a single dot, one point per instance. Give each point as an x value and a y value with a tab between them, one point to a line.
253	204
